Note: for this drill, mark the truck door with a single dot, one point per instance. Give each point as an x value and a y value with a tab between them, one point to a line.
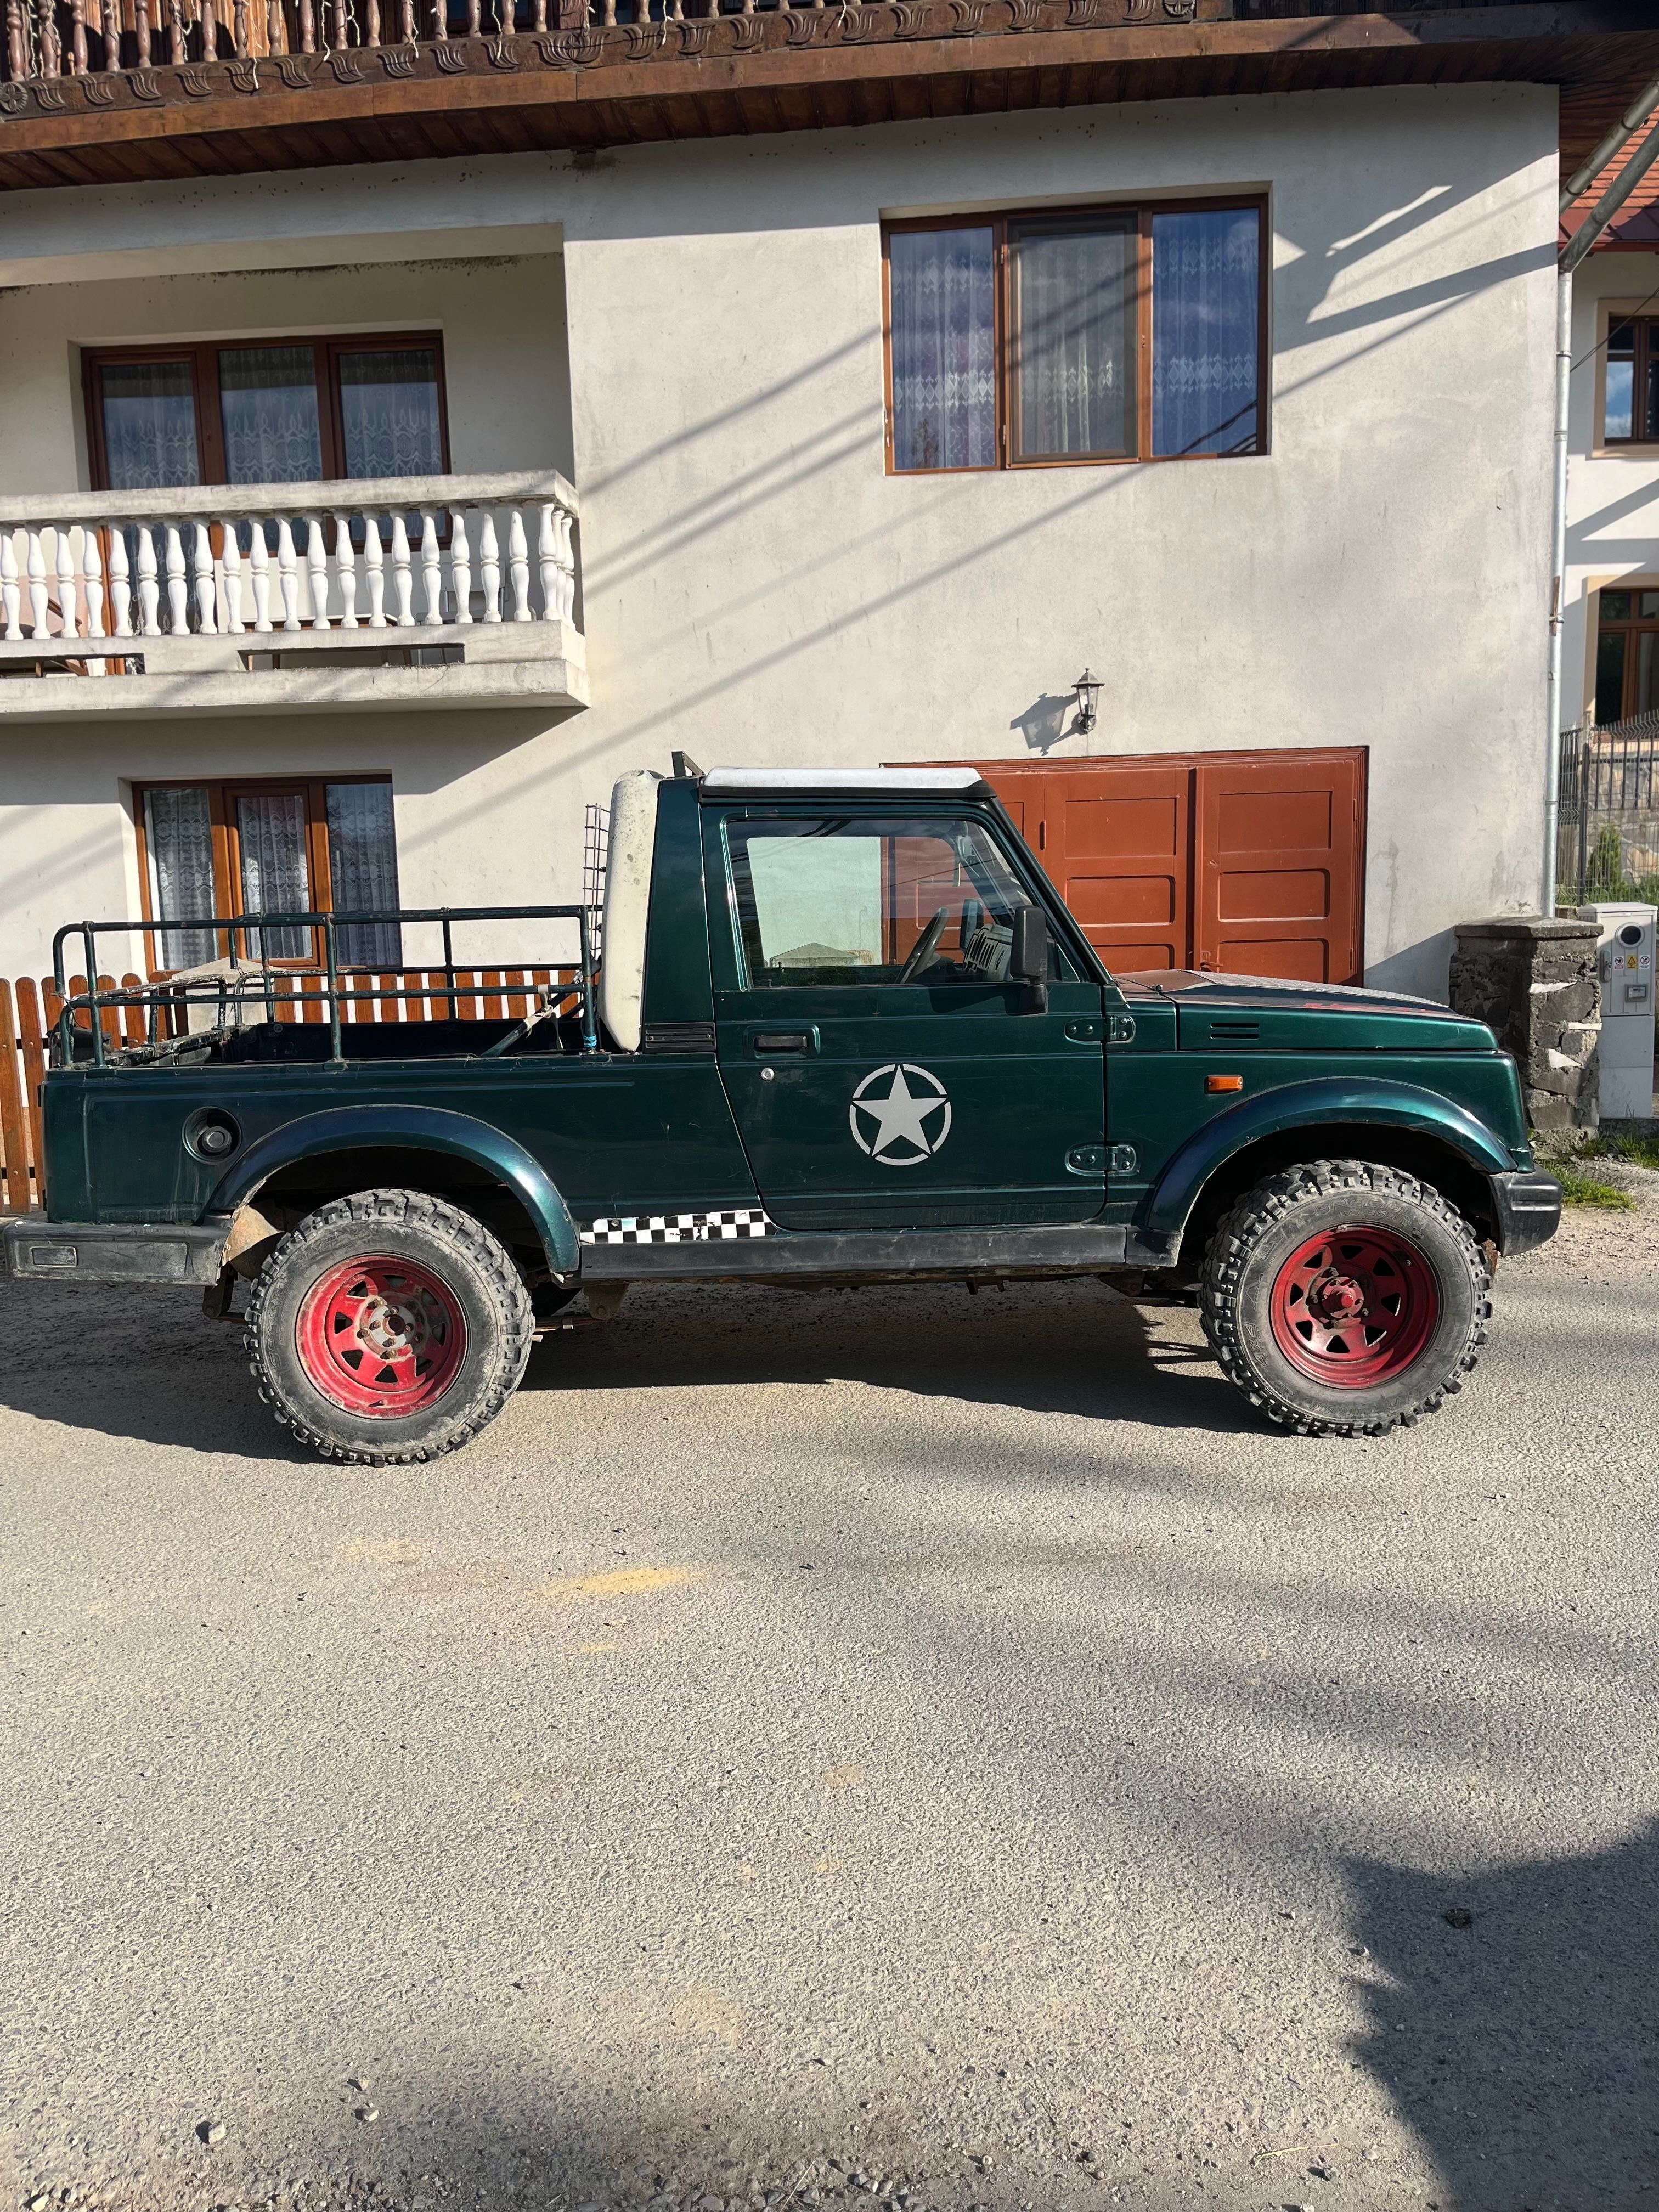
882	1069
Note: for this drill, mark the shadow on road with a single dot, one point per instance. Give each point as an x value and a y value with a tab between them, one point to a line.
141	1363
1522	2047
1067	1348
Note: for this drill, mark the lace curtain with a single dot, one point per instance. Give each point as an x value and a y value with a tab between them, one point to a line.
1072	305
270	827
267	406
389	413
149	425
942	292
1205	334
179	846
362	860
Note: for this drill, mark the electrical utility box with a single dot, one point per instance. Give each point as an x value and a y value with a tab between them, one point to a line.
1626	956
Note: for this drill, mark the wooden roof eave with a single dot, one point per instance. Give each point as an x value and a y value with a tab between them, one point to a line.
587	88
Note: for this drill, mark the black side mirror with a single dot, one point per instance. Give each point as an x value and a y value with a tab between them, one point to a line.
1028	956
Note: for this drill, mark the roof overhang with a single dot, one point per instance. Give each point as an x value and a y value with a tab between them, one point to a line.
794	69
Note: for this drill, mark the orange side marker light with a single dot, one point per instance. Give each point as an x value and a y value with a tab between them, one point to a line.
1223	1082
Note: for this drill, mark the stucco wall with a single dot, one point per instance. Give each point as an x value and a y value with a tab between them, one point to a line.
756	589
1613	497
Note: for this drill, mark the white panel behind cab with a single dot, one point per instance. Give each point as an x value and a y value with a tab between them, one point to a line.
627	904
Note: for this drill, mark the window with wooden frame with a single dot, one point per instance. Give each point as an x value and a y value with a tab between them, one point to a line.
1630	411
1627	654
274	845
1086	335
290	412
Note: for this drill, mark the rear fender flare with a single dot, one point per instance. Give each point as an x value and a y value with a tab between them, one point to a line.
420	1129
1306	1106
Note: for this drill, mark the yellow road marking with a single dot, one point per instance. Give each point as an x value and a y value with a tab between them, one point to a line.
620	1582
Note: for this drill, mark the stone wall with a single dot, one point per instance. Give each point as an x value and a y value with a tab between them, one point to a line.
1536	983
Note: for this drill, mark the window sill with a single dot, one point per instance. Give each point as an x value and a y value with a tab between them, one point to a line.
1089	461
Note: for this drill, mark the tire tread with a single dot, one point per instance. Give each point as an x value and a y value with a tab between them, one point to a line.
399	1208
1239	1231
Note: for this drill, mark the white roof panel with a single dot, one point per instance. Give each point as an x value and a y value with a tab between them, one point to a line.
873	780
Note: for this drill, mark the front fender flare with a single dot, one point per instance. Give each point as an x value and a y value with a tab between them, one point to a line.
1306	1105
419	1129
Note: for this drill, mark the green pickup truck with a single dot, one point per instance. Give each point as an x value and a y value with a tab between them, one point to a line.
837	1027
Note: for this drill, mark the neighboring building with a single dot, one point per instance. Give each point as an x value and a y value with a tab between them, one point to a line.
1610	662
823	384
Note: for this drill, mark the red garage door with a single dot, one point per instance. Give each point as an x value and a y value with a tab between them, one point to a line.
1252	862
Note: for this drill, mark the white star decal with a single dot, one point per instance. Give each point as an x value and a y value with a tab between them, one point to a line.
900	1118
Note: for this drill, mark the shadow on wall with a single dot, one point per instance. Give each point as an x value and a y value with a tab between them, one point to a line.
1043	725
799	427
1518	2032
1420	970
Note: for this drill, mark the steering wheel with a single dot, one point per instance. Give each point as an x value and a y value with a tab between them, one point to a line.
922	951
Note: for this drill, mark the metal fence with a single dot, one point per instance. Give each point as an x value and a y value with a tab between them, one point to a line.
1608	838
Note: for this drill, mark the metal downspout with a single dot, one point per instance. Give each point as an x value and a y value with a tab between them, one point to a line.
1558	587
1571	254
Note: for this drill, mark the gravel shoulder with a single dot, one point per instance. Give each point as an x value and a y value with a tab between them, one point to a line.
932	1738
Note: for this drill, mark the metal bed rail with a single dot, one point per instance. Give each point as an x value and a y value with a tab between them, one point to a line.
257	979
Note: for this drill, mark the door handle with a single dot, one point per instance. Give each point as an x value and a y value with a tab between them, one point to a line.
775	1041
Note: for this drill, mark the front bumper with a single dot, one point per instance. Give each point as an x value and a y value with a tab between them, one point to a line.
100	1252
1528	1210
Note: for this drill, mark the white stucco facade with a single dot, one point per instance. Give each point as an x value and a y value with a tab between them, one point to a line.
693	334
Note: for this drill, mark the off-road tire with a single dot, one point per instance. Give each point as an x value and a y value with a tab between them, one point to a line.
1254	1240
474	1270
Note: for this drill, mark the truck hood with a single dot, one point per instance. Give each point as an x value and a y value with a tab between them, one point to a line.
1268	1013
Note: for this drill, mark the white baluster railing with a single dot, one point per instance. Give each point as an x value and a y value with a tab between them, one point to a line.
291	561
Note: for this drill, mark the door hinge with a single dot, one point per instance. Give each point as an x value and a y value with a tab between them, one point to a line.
1086	1160
1122	1031
1122	1159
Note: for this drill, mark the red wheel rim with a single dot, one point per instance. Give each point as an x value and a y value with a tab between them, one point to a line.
1352	1307
381	1336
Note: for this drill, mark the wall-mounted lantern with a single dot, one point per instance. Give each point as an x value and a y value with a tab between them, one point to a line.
1087	689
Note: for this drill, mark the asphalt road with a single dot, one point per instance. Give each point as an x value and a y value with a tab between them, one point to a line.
941	1734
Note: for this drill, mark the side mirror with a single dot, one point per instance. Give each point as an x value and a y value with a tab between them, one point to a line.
1028	956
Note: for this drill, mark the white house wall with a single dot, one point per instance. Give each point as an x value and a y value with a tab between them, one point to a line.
756	589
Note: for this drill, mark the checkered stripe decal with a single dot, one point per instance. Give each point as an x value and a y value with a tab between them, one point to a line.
680	1228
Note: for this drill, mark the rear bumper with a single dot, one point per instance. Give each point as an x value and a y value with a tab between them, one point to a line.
96	1252
1528	1210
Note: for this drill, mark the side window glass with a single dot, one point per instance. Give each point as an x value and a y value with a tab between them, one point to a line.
833	901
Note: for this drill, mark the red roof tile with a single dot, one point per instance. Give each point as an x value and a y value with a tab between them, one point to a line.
1635	228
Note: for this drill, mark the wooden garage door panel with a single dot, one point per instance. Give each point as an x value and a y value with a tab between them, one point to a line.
1119	846
1275	894
1122	828
1110	901
1297	959
1250	819
1279	847
1128	959
1252	862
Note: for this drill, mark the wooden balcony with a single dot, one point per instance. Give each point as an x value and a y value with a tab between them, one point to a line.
401	593
111	90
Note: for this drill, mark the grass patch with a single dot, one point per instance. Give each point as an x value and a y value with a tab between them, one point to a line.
1583	1190
1640	1151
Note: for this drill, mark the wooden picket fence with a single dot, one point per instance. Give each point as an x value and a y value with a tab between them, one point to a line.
29	1010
